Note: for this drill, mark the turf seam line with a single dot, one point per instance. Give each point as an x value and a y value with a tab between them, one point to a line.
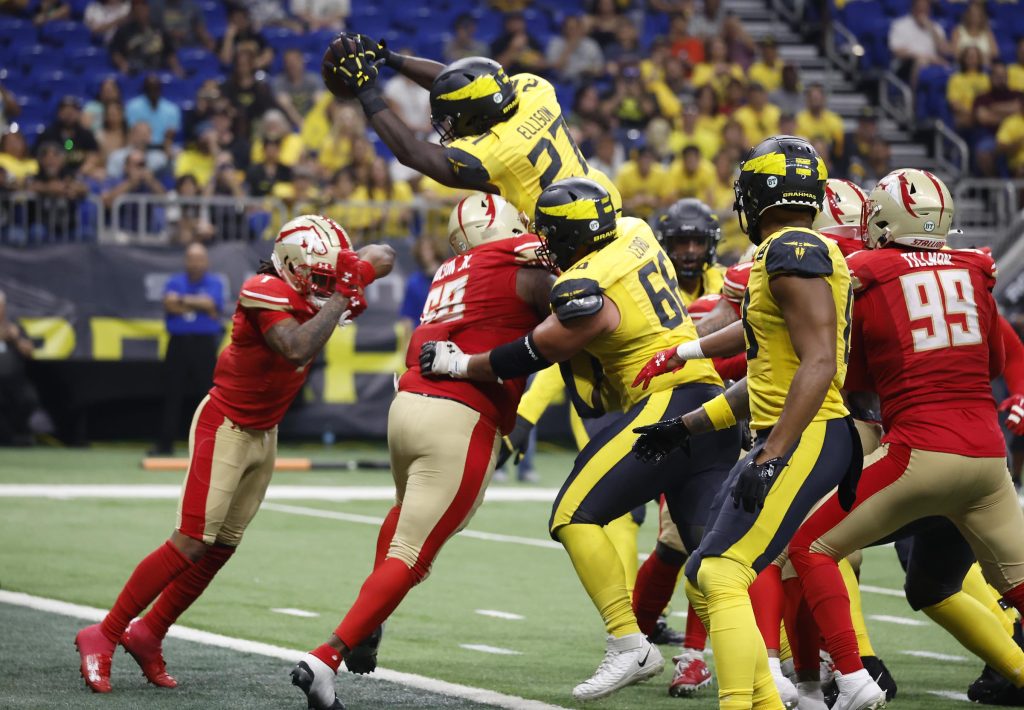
902	620
433	685
936	656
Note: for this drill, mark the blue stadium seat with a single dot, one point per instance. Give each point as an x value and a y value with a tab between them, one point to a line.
192	59
55	84
896	8
40	58
15	31
65	34
89	61
281	38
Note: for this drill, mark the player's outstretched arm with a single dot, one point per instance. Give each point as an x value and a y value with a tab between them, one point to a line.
421	71
726	342
810	314
300	343
720	316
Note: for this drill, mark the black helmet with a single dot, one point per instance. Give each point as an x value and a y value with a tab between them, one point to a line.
781	171
572	213
689	218
470	96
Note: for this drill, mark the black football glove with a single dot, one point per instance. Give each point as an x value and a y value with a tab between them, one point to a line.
754	482
355	62
657	440
514	445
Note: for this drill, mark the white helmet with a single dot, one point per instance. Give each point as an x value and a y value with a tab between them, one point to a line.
482	217
841	206
908	207
306	254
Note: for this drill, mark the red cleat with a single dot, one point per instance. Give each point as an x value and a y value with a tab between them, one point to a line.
96	651
691	674
146	649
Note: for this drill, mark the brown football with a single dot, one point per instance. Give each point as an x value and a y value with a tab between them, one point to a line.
333	81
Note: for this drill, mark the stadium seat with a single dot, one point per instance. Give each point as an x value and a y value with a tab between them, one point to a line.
193	58
55	84
89	61
65	34
14	30
40	58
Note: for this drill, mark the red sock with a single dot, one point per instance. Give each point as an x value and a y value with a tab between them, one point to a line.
828	600
804	637
386	534
655	582
381	594
696	634
767	598
156	571
328	655
179	596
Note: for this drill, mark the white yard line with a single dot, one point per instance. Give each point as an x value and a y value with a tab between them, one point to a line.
484	648
882	590
302	613
206	638
951	694
901	620
935	656
500	614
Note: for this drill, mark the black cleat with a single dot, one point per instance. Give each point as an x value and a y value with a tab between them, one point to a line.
877	670
318	690
990	688
363	658
665	635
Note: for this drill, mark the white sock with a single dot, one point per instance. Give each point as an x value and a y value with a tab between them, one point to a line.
775	666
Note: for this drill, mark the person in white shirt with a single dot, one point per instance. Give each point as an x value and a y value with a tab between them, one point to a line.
917	41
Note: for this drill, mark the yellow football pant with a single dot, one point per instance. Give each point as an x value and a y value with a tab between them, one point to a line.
980	632
975	585
622	533
600	570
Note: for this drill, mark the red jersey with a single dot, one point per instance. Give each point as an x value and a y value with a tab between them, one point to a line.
252	384
736	278
925	337
847	236
473	302
729	368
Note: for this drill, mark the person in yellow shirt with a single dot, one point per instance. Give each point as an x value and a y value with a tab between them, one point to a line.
15	159
816	121
1015	72
198	159
274	125
689	133
690	174
1010	142
966	84
716	70
767	71
709	119
759	118
720	198
643	183
390	218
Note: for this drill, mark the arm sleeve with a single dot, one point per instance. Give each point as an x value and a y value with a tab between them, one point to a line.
798	254
1013	370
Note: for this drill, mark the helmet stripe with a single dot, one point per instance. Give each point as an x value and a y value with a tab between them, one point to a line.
938	188
479	88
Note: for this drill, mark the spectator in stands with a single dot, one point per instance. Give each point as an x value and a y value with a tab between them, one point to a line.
515	48
51	11
231	222
240	34
193	302
140	137
690	175
275	127
572	55
817	121
858	142
643	183
758	118
767	71
163	116
689	133
18	396
347	126
917	41
1010	143
104	17
787	124
417	285
708	21
716	70
137	180
224	122
625	48
295	89
248	93
183	20
709	120
1015	72
78	143
408	99
341	206
392	220
9	107
631	104
316	15
735	96
187	221
990	110
58	189
682	42
975	31
16	161
734	140
867	173
113	133
602	21
92	112
463	42
202	111
138	45
269	13
720	198
965	85
789	97
586	106
609	155
197	159
264	174
740	48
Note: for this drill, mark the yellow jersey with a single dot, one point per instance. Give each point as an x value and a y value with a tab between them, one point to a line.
711	281
964	86
828	126
1015	77
758	125
771	360
707	142
635	273
695	184
767	75
524	154
1010	132
632	183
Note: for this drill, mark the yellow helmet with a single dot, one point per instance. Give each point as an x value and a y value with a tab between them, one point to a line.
908	207
482	217
842	204
306	254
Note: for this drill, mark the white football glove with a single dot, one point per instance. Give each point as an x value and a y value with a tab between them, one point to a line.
443	357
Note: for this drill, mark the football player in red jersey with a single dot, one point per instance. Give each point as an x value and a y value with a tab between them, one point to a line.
839	219
285	314
925	338
483	296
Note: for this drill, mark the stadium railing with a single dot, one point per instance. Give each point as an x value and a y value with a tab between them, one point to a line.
950	150
32	218
987	209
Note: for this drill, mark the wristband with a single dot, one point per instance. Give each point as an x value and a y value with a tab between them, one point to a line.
690	350
372	101
367	274
719	412
394	60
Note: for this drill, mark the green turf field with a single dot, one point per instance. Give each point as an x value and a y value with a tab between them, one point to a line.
312	555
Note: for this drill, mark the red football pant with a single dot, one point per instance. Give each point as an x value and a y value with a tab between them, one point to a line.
767	600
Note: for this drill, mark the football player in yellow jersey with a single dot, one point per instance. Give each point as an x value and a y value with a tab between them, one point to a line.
498	133
795	328
616	302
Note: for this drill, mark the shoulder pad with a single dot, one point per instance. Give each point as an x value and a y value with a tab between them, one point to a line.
798	253
267	292
575	298
467	167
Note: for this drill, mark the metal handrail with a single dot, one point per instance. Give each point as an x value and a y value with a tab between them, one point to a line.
32	218
846	60
987	209
943	135
901	114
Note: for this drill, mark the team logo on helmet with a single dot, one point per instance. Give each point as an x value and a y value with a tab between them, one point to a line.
594	225
772	181
929	226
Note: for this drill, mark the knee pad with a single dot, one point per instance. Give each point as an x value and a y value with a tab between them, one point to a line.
924	591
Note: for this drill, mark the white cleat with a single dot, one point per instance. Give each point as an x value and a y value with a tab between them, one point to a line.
787	691
316	679
627	660
810	696
858	691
